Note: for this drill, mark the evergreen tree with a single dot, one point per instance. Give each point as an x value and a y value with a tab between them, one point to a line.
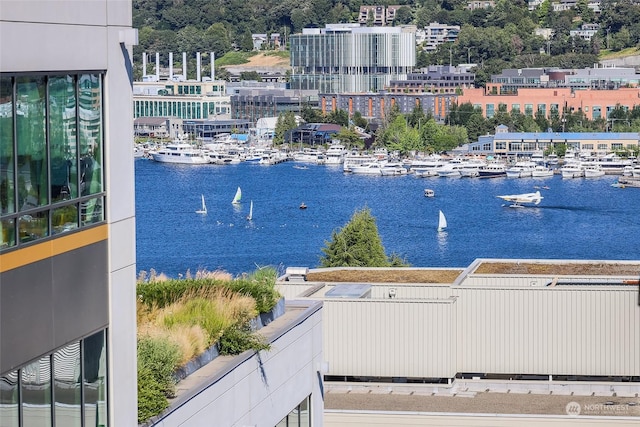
357	244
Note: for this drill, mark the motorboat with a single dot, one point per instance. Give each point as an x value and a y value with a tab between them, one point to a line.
393	169
493	170
537	158
451	169
521	169
519	200
354	159
572	169
612	164
541	171
180	152
372	168
335	154
429	192
593	170
427	167
552	159
471	168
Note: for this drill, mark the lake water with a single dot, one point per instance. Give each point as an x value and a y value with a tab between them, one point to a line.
577	219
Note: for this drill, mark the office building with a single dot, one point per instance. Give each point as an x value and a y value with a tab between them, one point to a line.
349	58
67	224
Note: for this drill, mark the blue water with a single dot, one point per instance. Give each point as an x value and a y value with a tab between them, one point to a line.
577	219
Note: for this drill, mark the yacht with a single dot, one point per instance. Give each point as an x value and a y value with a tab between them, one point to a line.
521	169
471	168
426	167
572	169
335	154
612	164
180	152
593	170
393	169
355	159
373	168
541	171
451	169
493	170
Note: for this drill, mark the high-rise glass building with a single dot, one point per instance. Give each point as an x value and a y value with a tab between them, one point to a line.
348	58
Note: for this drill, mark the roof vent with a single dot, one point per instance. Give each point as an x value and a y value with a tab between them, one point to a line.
297	274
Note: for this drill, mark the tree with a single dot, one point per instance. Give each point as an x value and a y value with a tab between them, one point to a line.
285	123
357	244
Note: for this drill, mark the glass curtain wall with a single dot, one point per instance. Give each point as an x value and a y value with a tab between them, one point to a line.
66	388
51	152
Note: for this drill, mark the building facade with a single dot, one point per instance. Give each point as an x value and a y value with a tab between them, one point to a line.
434	79
257	103
349	58
67	246
376	106
595	104
187	99
514	144
510	80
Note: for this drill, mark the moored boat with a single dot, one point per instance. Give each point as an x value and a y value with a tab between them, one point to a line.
493	170
180	152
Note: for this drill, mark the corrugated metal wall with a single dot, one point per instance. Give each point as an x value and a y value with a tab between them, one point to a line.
390	338
573	330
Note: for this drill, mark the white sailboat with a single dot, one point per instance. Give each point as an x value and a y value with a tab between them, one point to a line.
203	209
237	197
250	216
442	222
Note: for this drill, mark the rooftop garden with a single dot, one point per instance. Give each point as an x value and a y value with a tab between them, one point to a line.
179	319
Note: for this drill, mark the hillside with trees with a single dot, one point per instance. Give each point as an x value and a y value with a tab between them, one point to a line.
494	38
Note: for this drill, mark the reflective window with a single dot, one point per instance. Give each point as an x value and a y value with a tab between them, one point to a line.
36	393
33	186
95	380
9	399
67	386
51	154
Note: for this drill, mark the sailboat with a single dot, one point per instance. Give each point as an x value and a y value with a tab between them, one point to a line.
203	209
237	197
250	216
442	222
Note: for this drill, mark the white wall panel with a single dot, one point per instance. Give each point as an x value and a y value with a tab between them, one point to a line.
390	338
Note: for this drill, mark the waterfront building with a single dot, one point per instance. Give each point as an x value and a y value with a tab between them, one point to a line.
185	99
514	144
593	103
376	106
434	79
344	58
67	224
158	127
252	103
209	129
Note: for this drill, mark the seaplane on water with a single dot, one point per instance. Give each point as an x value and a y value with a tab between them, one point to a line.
520	200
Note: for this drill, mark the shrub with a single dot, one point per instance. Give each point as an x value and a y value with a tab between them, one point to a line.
239	338
260	285
157	359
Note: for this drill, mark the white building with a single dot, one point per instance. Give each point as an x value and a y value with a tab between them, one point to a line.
350	58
